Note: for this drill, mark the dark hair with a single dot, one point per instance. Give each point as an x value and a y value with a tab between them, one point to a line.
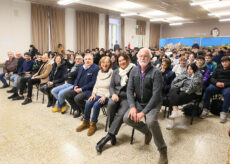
60	57
200	57
193	66
59	45
27	53
208	55
126	57
167	61
225	58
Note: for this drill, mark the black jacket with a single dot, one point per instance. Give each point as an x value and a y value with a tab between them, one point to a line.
71	76
221	75
57	74
168	77
19	64
148	89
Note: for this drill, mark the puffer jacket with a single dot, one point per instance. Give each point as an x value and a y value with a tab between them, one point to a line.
205	73
189	83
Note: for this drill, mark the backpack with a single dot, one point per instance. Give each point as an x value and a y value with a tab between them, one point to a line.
189	108
216	105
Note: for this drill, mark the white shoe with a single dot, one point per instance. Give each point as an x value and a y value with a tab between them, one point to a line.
204	113
175	114
223	117
170	125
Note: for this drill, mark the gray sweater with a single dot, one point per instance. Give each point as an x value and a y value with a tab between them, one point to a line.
147	88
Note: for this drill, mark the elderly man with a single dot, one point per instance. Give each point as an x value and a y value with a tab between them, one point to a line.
83	85
145	99
8	69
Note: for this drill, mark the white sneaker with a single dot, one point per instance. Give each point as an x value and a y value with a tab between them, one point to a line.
204	113
223	117
170	125
175	114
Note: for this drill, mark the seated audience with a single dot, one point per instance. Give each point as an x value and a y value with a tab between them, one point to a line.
114	61
133	57
220	84
191	59
59	91
210	64
168	76
56	78
203	70
83	85
8	68
174	59
33	51
144	94
39	78
117	105
185	88
99	97
180	68
24	71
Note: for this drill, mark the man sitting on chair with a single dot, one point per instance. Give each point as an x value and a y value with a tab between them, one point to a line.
144	94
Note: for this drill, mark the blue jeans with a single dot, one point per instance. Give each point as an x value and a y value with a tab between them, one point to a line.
12	78
2	75
96	108
58	93
211	90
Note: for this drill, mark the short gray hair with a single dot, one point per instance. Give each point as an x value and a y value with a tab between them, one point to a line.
144	49
89	54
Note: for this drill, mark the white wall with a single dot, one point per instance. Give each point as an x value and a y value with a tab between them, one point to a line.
202	29
15	24
101	31
70	29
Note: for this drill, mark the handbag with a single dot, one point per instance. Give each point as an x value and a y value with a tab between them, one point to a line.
216	105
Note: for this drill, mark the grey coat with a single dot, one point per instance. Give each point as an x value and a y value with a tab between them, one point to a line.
189	83
148	90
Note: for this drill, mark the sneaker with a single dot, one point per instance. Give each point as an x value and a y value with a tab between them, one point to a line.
18	98
13	96
4	86
170	125
27	101
223	117
55	109
64	109
175	114
12	90
204	113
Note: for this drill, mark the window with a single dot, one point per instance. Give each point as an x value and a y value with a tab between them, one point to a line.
140	41
114	31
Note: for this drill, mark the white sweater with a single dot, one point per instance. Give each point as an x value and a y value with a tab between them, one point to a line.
178	70
101	87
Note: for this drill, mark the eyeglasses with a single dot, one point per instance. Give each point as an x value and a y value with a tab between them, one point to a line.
77	58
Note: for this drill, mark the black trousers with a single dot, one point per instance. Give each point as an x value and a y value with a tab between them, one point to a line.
177	97
76	100
46	89
30	82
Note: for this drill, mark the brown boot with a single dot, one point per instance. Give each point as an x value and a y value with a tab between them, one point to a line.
84	125
92	128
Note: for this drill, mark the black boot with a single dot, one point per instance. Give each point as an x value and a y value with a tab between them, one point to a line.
102	142
76	114
13	90
50	100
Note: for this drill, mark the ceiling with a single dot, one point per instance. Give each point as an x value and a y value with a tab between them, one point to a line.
160	11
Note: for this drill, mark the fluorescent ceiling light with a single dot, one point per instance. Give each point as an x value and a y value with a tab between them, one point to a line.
174	18
128	5
175	24
219	14
66	2
202	2
224	20
157	20
156	13
128	14
216	5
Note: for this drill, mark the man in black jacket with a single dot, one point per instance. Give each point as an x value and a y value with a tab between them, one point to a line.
220	84
144	94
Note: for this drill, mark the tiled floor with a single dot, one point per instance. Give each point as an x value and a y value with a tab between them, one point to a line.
33	134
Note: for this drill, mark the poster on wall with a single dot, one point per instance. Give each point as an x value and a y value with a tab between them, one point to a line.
216	42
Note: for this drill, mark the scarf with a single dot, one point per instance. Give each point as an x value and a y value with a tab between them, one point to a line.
123	74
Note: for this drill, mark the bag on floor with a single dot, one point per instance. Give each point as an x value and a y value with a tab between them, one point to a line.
216	106
189	108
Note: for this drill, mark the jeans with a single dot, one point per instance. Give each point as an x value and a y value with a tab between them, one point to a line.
211	90
2	75
58	93
12	78
96	108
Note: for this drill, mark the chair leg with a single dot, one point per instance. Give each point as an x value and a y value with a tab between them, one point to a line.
132	136
37	93
43	98
106	124
165	111
71	110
